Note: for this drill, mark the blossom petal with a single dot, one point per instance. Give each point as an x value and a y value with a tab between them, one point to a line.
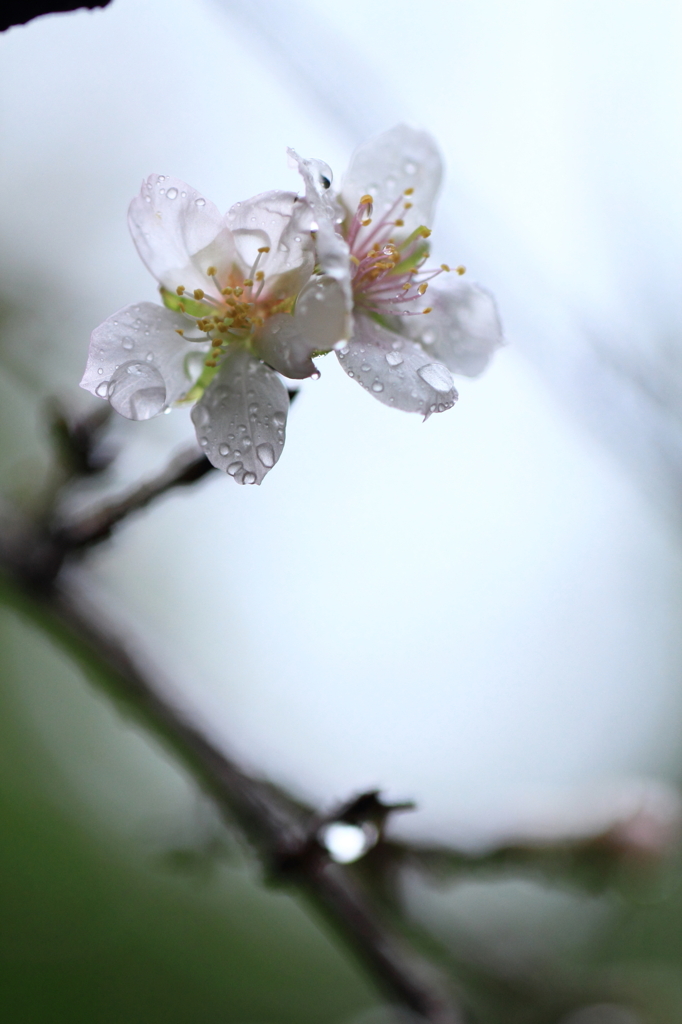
396	370
280	222
321	319
463	329
333	254
241	417
138	361
385	166
175	230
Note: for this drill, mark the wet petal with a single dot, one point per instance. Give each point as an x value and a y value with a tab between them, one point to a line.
321	320
281	345
176	230
396	370
333	255
279	221
463	329
241	418
138	362
385	166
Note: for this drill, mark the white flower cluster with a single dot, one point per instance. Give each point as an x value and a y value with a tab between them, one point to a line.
252	296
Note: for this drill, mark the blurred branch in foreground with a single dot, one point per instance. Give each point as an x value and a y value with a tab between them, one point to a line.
18	13
283	832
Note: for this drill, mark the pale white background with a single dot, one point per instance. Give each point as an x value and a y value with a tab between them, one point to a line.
482	612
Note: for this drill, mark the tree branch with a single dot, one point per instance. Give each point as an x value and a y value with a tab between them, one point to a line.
184	469
278	827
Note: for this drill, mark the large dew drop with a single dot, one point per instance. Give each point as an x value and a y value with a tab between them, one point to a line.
266	454
137	391
437	376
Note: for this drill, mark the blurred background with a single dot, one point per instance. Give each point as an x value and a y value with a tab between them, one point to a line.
480	613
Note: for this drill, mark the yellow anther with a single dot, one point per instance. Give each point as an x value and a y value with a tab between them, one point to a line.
248	283
429	309
226	291
264	248
180	289
460	270
407	206
181	333
366	200
408	191
211	271
422	288
238	291
366	222
259	275
406	287
445	267
355	260
223	328
424	232
198	293
399	223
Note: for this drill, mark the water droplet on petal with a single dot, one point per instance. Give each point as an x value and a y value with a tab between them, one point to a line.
183	195
249	478
342	348
102	389
428	336
100	370
203	441
200	201
128	343
410	167
266	454
437	376
172	193
150	355
394	358
365	367
377	386
234	468
162	177
137	391
315	375
224	449
253	409
279	419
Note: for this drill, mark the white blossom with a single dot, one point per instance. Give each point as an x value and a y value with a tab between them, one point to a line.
241	302
372	241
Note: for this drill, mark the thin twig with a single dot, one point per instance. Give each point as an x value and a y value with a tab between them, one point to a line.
186	468
274	824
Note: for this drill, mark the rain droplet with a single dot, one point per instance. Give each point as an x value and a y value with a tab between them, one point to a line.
237	454
128	343
183	195
203	441
162	191
200	201
147	199
249	478
234	468
100	370
279	419
365	367
436	376
410	167
102	389
172	193
428	336
394	358
377	386
297	238
162	177
342	348
137	391
315	375
150	355
224	449
266	454
253	409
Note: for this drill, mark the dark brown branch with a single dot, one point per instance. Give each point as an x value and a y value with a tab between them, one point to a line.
277	826
186	468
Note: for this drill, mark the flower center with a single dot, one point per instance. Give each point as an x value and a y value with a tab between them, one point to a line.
389	276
